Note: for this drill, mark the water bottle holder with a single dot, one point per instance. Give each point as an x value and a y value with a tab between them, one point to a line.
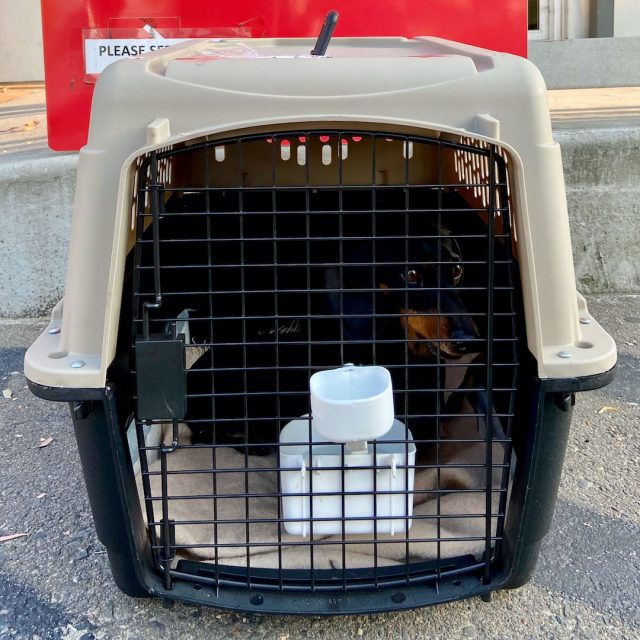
330	490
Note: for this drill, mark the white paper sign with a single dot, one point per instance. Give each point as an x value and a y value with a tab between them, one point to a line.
99	53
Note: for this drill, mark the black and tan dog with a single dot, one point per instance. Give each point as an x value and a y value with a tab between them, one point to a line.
419	304
425	294
423	330
400	299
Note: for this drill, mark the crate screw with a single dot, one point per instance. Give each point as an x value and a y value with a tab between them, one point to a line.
564	354
78	364
54	330
585	320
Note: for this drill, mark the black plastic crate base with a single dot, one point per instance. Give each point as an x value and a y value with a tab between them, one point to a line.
100	433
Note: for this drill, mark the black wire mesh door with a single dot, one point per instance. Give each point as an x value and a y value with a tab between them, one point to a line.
271	257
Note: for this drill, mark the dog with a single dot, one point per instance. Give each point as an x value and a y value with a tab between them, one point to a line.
422	330
420	300
408	304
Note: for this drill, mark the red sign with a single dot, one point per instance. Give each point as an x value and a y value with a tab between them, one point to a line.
82	36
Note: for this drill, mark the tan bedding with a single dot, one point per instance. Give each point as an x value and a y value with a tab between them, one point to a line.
234	544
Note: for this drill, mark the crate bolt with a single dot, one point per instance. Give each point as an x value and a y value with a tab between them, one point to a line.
564	354
585	320
54	330
78	364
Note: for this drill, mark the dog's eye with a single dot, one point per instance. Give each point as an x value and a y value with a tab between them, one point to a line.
411	277
457	272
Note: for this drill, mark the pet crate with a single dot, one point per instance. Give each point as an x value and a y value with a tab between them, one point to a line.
247	216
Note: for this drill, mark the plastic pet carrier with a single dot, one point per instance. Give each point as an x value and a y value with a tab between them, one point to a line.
320	333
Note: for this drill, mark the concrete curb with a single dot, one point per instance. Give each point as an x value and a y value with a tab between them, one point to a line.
602	166
37	203
601	169
587	62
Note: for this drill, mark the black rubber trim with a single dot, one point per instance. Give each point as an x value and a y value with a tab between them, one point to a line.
66	394
582	383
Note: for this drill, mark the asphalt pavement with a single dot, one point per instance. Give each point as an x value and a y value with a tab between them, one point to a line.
55	581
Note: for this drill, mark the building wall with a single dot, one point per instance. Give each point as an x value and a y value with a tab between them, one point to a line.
21	58
577	19
626	20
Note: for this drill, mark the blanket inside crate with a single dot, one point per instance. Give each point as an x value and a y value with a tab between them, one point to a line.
445	524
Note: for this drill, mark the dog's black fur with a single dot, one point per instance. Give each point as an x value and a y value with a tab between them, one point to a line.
421	320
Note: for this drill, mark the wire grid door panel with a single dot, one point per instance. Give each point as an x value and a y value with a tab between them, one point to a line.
279	255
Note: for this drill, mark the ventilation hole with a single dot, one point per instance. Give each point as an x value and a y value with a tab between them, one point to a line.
219	153
398	597
326	154
344	151
324	138
356	138
302	155
256	600
285	150
456	583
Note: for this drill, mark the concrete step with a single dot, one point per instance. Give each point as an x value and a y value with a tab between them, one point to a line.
37	199
599	131
602	170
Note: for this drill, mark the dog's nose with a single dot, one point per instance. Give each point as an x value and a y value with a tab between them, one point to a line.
464	342
461	347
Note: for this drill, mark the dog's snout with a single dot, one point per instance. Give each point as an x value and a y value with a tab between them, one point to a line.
463	348
465	340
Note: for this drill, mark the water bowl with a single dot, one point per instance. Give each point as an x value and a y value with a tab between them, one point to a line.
352	404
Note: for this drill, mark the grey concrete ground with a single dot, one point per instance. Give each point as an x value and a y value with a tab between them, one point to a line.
55	581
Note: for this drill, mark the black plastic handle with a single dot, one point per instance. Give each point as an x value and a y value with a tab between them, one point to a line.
325	34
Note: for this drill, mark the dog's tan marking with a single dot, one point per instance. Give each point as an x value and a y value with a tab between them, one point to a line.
428	335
